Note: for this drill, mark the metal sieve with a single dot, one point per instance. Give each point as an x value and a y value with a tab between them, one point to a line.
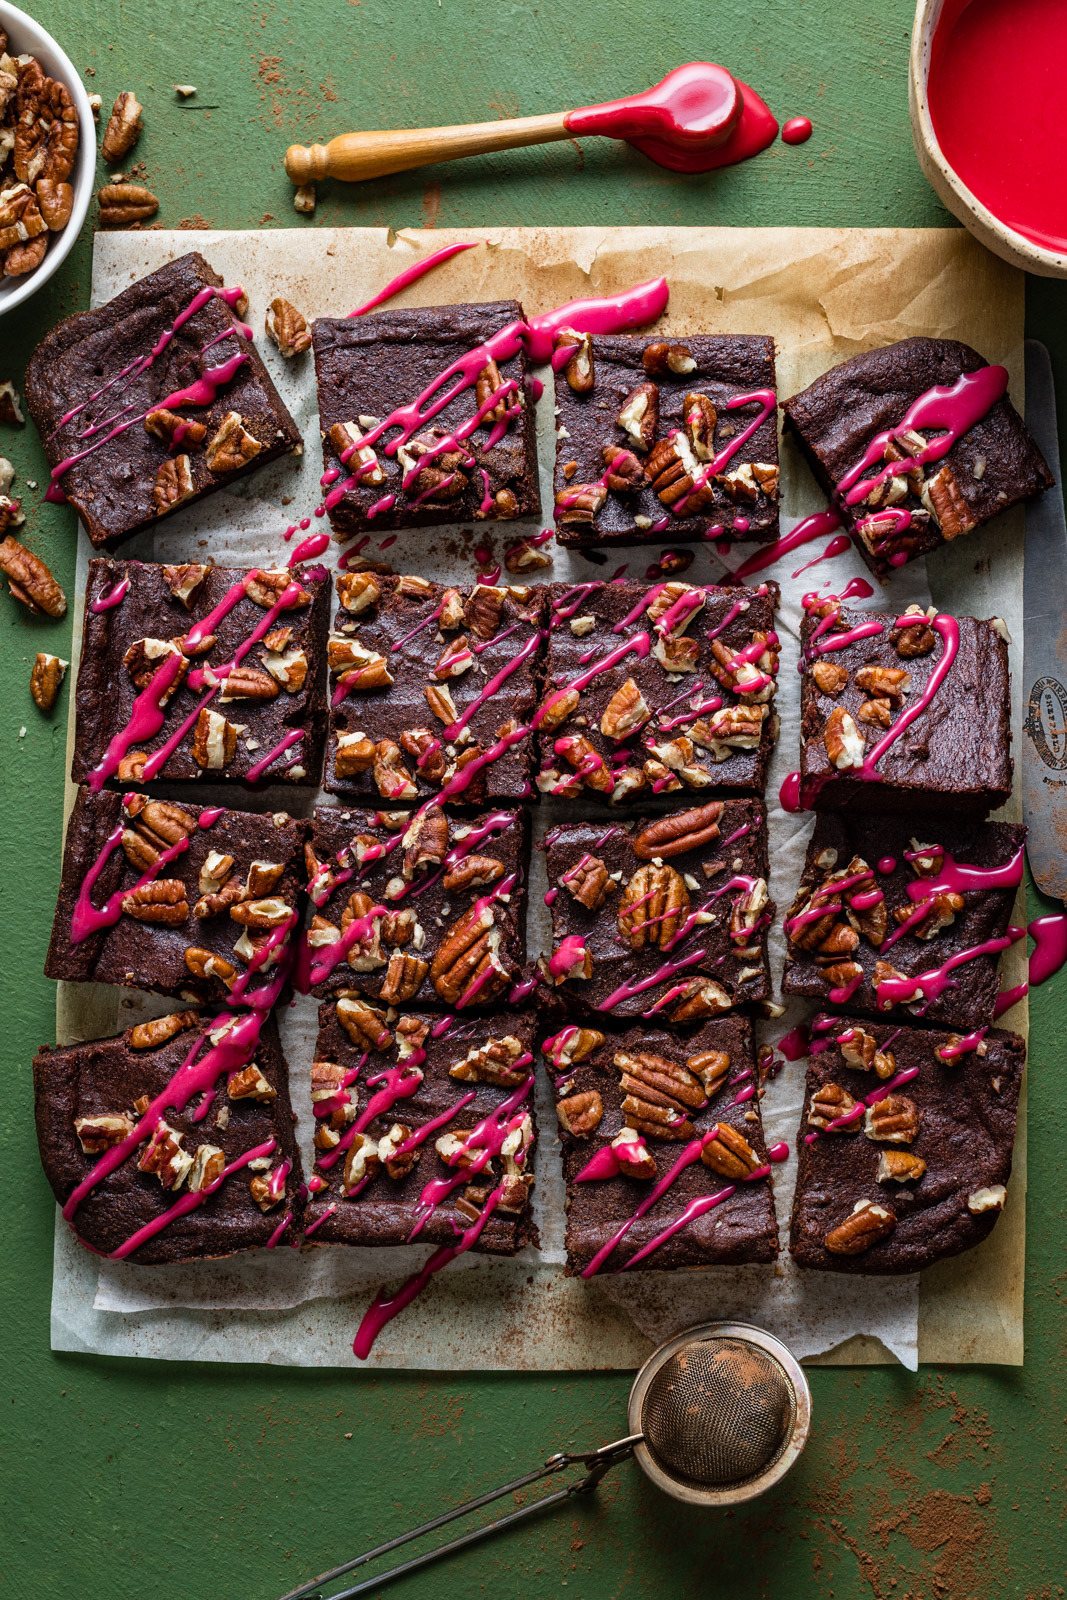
717	1415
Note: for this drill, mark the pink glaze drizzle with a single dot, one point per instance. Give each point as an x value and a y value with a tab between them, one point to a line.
411	275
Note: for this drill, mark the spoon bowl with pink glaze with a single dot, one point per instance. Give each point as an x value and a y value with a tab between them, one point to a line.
698	118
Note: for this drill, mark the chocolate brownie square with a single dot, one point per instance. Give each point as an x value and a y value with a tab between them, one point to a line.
875	435
630	1105
663	918
193	901
423	910
905	1144
433	689
265	720
401	1105
369	368
904	713
175	1179
666	441
657	688
888	921
154	400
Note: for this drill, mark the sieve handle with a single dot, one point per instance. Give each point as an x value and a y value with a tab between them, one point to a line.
599	1462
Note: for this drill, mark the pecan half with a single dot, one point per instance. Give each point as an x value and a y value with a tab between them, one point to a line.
269	585
20	217
627	473
97	1134
124	203
162	901
30	579
248	683
943	498
673	470
354	753
729	1154
150	1035
580	1114
868	1223
474	872
403	977
522	556
861	1053
358	591
624	713
204	964
467	966
482	609
579	503
661	360
23	258
711	1067
489	383
654	905
683	830
232	447
365	953
700	419
174	484
123	129
287	328
555	710
913	641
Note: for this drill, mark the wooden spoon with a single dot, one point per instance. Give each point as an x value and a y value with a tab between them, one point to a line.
699	117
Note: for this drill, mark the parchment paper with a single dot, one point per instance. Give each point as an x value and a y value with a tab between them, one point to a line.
823	294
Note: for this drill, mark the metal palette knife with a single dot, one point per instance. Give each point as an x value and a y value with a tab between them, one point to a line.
717	1415
1044	749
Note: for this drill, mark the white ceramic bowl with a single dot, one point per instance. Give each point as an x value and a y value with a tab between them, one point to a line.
994	234
28	37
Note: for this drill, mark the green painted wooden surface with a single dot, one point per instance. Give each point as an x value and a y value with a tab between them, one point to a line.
129	1479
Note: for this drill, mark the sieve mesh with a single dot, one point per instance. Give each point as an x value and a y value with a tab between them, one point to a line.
718	1412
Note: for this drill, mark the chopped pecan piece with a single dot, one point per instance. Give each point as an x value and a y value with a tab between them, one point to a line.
868	1223
214	741
123	128
639	416
184	582
499	1061
588	883
354	753
489	383
579	503
173	429
287	328
150	1035
845	744
829	1103
45	679
578	371
627	473
365	952
899	1166
358	591
557	708
474	872
581	1114
522	556
661	359
701	997
97	1134
914	640
711	1067
397	1166
859	1050
884	683
426	750
700	419
674	470
164	1156
174	484
893	1120
233	446
830	677
425	841
205	964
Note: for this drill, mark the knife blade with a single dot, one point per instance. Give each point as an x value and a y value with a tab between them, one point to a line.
1044	744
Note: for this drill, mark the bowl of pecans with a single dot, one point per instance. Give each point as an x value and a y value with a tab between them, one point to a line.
47	156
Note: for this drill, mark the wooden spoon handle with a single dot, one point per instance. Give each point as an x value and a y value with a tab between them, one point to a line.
354	156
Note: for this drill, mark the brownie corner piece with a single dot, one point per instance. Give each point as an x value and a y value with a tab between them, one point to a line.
905	1144
452	1132
373	372
904	713
418	910
434	690
162	1177
663	918
190	404
903	924
629	1105
679	695
264	657
658	440
874	434
197	902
